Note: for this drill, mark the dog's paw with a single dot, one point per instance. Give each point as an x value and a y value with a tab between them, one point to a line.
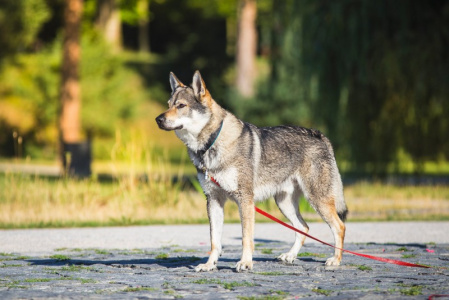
333	261
244	266
206	267
288	257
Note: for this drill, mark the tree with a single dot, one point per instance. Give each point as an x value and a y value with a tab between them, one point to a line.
371	75
75	156
109	22
246	48
20	22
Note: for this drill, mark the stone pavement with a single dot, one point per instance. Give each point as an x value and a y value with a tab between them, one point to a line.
167	273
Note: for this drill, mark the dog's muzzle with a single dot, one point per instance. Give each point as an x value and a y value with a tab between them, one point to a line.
161	122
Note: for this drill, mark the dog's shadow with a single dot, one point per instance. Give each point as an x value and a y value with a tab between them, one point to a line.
176	262
143	263
150	263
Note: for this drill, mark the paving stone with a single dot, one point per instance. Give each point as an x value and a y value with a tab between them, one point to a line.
168	273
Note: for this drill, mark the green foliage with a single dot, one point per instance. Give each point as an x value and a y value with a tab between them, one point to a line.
371	75
134	11
108	86
111	94
20	22
28	98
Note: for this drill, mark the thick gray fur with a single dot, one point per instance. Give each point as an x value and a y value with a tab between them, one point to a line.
252	164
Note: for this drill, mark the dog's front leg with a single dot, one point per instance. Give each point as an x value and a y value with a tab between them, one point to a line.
246	209
215	211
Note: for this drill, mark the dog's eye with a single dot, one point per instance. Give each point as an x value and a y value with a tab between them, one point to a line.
180	105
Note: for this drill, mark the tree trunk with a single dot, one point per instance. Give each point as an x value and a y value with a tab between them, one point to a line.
246	48
75	155
109	23
70	94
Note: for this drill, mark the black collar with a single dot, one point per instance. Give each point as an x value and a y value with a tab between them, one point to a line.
210	142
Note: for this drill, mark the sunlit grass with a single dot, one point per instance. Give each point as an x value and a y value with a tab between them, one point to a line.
374	201
32	201
144	190
146	187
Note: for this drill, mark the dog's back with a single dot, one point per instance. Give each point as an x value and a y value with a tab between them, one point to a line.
281	156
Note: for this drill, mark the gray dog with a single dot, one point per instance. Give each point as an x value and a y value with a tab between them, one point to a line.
239	161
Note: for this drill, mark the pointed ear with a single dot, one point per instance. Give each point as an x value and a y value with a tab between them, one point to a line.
174	82
198	85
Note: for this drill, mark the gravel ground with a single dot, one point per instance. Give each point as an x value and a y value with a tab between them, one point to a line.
156	262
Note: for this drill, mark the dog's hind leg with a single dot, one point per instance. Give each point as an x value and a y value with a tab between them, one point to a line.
289	206
327	210
215	211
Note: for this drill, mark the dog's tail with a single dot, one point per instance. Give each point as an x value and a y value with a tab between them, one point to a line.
340	204
342	210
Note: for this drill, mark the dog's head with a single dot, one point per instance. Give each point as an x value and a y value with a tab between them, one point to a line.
188	107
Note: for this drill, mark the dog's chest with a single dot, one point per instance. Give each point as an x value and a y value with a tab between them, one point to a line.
212	166
228	179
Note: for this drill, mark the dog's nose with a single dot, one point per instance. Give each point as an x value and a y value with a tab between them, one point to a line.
160	120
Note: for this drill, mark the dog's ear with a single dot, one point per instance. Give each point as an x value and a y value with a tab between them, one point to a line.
198	85
174	82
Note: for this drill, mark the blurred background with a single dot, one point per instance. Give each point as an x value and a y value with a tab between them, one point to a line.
82	81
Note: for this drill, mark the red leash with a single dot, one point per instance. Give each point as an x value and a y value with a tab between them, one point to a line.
382	259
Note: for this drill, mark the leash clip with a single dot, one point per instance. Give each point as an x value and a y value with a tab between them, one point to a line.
206	174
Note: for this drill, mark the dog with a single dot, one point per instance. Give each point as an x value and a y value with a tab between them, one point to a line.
242	162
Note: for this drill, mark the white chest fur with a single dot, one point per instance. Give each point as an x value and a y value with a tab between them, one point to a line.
228	179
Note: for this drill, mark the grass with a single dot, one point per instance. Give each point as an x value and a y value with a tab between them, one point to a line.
402	249
364	268
60	257
322	291
232	285
11	266
227	285
149	189
162	256
207	281
308	254
411	290
37	280
376	201
76	268
272	273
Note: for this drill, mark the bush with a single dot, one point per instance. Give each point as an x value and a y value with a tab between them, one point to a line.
29	85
